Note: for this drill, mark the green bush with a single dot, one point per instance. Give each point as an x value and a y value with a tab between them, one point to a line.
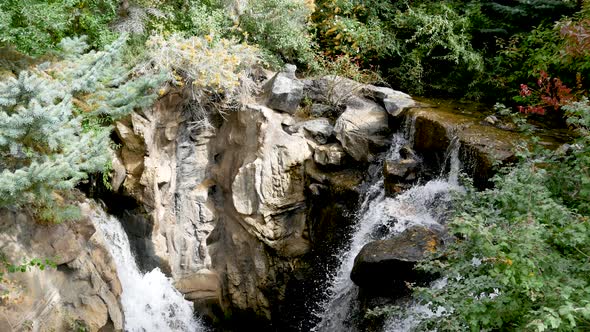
356	29
35	26
520	259
434	48
423	48
279	27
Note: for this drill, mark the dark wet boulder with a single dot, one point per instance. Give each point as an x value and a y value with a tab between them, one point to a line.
386	265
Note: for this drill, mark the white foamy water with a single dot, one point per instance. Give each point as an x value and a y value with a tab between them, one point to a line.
150	302
425	205
415	313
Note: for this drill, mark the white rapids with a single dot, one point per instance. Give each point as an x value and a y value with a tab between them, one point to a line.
424	204
150	301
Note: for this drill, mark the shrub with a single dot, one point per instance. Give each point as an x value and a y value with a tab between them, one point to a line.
215	71
551	93
211	20
424	47
280	28
36	26
570	176
520	259
356	29
434	47
556	48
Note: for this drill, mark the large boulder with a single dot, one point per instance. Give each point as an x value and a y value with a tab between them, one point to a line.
362	129
395	102
386	265
332	90
284	91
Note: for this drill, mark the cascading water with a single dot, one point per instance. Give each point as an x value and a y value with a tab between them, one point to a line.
425	204
150	302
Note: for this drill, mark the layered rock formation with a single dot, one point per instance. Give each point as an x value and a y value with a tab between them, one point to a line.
84	291
225	212
235	212
232	212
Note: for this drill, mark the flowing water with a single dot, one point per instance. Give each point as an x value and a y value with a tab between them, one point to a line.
150	301
426	204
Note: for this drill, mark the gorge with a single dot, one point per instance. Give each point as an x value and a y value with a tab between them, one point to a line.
260	219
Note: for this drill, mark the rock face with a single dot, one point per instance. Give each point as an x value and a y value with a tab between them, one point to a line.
83	292
480	145
226	212
261	189
166	166
231	213
268	190
385	265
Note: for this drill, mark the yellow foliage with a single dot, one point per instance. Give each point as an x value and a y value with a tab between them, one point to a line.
310	4
209	66
331	30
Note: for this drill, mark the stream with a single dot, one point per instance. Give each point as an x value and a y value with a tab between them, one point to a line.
379	217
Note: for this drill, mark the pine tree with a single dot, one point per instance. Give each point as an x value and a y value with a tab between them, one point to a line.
53	116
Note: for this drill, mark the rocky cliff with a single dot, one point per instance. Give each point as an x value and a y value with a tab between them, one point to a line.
232	212
240	214
82	293
227	211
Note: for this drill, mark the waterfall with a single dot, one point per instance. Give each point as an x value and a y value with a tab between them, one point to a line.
426	204
414	314
452	158
150	301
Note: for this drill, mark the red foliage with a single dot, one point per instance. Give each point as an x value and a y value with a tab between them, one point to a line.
531	110
552	93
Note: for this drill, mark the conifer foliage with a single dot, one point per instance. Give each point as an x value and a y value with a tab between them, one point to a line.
54	120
